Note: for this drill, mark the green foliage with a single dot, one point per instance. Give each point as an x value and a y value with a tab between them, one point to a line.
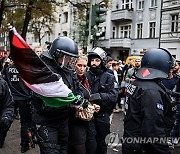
15	11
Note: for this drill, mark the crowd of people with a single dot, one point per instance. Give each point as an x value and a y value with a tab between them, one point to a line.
141	89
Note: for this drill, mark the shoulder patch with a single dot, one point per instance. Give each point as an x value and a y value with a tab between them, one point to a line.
131	88
160	106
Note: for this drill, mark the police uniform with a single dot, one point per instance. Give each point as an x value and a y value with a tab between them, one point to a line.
52	123
147	106
6	110
22	98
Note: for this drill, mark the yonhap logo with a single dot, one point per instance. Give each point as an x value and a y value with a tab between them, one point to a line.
113	140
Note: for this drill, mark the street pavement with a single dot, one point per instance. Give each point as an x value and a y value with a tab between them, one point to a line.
12	142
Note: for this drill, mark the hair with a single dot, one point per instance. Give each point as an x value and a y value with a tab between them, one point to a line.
37	47
82	56
115	64
109	59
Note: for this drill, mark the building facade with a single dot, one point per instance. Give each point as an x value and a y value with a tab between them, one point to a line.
68	23
170	28
134	27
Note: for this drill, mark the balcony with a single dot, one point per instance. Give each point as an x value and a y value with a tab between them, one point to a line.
121	15
123	42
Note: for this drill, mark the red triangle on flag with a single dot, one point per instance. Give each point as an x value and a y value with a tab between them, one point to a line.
145	72
19	42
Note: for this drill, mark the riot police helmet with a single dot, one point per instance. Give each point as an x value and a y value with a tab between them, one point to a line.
99	53
155	64
63	45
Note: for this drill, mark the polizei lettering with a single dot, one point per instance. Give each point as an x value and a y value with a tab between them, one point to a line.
13	70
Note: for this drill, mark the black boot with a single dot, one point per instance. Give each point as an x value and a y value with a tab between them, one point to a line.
24	147
1	144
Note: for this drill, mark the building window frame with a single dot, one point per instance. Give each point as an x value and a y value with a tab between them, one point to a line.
125	31
174	22
139	30
126	4
60	18
65	17
152	29
153	3
140	4
114	32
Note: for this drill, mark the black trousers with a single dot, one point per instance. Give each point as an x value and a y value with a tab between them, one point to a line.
98	129
3	134
145	149
53	137
25	119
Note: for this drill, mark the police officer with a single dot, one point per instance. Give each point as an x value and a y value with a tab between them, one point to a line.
6	110
146	106
52	123
22	98
104	93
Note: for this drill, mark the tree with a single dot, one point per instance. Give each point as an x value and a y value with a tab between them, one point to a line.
22	12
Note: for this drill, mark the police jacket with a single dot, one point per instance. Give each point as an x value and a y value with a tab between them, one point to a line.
43	113
104	84
6	101
146	108
18	89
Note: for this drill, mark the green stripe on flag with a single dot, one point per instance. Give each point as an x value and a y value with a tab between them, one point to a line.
57	102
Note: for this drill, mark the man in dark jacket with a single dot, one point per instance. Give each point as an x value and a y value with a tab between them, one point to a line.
146	106
22	98
6	110
52	123
104	89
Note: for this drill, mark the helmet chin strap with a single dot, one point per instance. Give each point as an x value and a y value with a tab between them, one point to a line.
62	65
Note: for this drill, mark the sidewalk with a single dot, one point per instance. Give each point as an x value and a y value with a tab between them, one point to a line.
12	142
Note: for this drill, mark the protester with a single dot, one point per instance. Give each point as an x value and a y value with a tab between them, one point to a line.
78	127
115	68
146	105
109	62
131	73
38	50
104	93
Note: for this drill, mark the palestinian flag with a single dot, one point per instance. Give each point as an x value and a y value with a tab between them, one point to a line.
36	75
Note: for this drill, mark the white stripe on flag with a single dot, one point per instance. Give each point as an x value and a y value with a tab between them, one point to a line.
51	89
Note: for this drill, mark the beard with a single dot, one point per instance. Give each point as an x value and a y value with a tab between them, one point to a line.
95	70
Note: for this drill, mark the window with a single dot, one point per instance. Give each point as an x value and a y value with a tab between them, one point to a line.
125	31
140	4
64	33
174	23
139	30
126	4
153	3
59	18
152	28
114	32
65	17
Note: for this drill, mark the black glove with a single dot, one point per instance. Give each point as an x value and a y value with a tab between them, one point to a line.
95	97
79	102
4	123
